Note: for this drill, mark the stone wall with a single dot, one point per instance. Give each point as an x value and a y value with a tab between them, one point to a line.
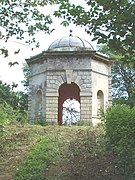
51	108
49	73
86	108
100	78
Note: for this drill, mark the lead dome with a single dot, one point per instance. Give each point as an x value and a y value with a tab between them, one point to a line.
70	43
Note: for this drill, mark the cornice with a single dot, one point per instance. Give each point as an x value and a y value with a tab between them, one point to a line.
59	54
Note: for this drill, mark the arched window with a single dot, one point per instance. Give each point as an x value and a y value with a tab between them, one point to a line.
38	107
100	101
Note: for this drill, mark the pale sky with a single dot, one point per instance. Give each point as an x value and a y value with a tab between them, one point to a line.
15	73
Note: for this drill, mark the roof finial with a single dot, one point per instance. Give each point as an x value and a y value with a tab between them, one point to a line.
70	33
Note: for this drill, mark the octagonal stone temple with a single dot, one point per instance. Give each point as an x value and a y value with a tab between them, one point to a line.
69	69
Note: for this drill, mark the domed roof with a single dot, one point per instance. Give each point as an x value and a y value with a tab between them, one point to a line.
70	43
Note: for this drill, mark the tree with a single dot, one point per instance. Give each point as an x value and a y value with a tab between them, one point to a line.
13	105
23	19
111	22
71	112
123	78
7	95
26	72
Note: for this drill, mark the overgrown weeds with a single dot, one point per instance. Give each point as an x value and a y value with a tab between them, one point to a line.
16	141
83	156
56	153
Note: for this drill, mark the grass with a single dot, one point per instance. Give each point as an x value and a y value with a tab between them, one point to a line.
39	158
32	152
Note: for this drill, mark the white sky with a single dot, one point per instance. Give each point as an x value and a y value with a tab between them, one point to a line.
15	73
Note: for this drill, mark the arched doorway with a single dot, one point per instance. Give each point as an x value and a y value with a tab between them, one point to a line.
67	91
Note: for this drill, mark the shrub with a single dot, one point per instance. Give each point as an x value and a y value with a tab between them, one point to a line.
119	124
9	115
3	120
40	121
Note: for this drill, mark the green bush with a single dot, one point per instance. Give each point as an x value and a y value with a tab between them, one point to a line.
3	118
119	124
10	115
40	121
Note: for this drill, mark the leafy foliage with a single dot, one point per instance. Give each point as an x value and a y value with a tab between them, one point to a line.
123	78
120	129
111	22
23	19
13	105
26	72
123	84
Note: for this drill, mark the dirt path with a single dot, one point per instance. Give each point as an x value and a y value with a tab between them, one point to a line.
85	168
